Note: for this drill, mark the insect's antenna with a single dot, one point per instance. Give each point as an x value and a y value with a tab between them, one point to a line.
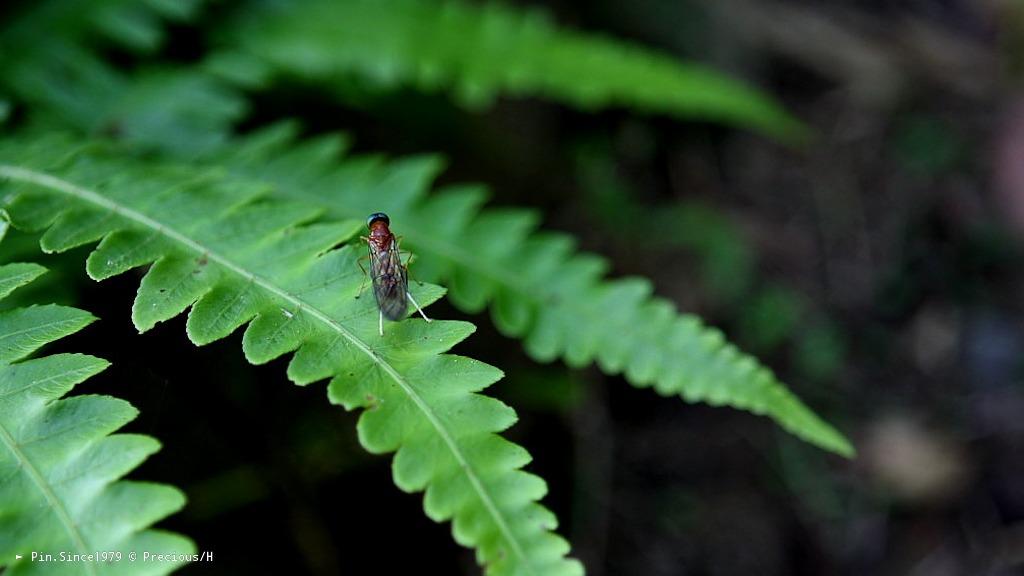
418	309
380	322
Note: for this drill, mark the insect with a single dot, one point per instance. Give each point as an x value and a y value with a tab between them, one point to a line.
388	273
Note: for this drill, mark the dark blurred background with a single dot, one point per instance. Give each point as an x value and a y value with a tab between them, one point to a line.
877	271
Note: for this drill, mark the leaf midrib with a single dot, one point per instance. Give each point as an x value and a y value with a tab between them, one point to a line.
452	252
51	497
70	189
538	296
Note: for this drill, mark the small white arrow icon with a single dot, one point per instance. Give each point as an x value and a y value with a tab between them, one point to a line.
17	556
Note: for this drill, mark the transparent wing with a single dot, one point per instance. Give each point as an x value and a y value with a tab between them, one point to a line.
390	281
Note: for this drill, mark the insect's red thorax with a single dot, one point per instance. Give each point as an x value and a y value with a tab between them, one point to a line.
380	235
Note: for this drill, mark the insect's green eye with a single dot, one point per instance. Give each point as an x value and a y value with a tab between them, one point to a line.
377	216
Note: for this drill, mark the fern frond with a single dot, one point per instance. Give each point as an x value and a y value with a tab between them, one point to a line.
134	24
59	462
539	289
217	246
480	51
49	60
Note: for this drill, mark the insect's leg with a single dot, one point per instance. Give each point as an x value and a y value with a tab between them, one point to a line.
408	259
407	293
380	322
414	303
362	284
398	246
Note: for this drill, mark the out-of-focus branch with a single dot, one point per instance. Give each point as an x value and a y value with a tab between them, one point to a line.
875	59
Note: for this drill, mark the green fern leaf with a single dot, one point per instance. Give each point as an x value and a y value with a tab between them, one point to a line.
59	462
238	259
539	289
481	51
17	275
135	24
183	111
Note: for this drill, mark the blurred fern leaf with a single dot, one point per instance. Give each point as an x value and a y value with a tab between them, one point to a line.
479	52
60	462
63	79
539	288
235	258
134	24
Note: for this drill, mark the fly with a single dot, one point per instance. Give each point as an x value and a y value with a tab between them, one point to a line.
389	274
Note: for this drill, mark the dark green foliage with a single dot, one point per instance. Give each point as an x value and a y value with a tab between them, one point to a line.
557	300
480	52
257	230
237	259
59	463
49	60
